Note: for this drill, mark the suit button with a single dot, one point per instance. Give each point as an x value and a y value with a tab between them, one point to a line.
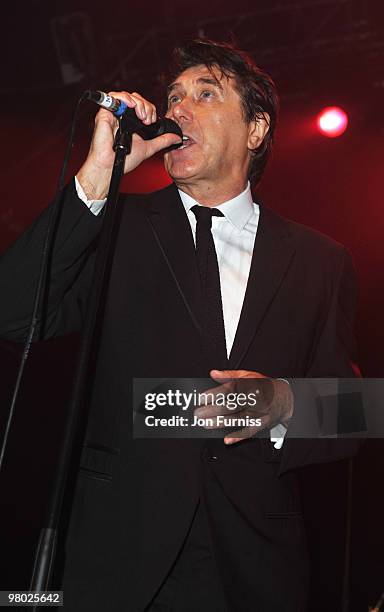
207	456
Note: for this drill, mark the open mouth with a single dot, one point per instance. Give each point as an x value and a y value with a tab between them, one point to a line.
187	142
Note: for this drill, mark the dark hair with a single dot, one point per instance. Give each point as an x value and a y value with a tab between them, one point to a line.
255	87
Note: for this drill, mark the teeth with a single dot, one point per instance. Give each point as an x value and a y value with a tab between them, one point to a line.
186	142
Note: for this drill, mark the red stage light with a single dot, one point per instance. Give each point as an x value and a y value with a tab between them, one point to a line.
332	121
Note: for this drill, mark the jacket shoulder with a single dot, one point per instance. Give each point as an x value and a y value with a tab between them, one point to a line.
305	237
140	203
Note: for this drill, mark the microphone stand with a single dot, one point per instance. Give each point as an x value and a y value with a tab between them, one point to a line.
46	548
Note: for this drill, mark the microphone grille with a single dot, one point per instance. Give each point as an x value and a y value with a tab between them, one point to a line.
167	126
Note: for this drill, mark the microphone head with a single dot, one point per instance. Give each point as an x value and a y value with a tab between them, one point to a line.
168	126
95	96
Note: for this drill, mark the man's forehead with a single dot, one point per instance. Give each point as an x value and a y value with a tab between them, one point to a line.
201	72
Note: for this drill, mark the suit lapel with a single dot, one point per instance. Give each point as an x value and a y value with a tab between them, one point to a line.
173	234
272	255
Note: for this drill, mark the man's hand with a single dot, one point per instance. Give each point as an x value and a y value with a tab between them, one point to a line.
272	402
95	174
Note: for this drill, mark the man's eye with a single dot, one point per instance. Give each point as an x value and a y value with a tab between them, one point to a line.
173	99
206	94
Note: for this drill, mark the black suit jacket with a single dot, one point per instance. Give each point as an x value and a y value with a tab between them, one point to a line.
134	499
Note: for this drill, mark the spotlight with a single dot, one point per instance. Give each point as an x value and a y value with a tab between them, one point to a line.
332	121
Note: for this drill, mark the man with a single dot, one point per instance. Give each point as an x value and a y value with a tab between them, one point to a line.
186	525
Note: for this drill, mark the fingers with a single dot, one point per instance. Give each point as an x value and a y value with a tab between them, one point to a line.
226	378
225	402
226	387
145	110
246	432
222	375
161	142
107	125
236	395
264	412
213	410
245	419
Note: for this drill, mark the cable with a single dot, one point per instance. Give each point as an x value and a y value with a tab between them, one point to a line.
41	284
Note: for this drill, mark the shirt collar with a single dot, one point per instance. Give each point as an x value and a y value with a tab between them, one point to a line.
238	210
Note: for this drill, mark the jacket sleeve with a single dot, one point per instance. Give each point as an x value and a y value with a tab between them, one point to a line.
333	387
335	354
69	277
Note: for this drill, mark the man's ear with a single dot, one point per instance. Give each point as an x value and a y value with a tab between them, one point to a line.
257	131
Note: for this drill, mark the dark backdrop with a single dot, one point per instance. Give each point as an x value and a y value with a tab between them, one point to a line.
324	53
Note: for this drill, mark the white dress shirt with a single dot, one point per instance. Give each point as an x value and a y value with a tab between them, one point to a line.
234	237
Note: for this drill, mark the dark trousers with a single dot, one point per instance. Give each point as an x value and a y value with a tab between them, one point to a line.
193	582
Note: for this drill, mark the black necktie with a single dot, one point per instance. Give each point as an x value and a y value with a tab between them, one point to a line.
213	338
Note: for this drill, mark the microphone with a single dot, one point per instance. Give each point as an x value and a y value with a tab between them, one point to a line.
119	108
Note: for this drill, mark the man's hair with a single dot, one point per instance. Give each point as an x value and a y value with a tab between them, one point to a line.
255	87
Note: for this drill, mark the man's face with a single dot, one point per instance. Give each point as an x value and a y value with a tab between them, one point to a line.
208	109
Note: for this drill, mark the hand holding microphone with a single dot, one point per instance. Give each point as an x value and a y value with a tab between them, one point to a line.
119	108
150	136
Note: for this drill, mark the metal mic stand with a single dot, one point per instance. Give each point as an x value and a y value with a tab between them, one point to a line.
46	548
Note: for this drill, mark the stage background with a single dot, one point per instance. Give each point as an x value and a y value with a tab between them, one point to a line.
319	53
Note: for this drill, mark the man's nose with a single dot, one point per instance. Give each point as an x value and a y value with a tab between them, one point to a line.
181	111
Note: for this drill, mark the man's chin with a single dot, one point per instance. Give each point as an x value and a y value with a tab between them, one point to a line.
179	173
181	165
